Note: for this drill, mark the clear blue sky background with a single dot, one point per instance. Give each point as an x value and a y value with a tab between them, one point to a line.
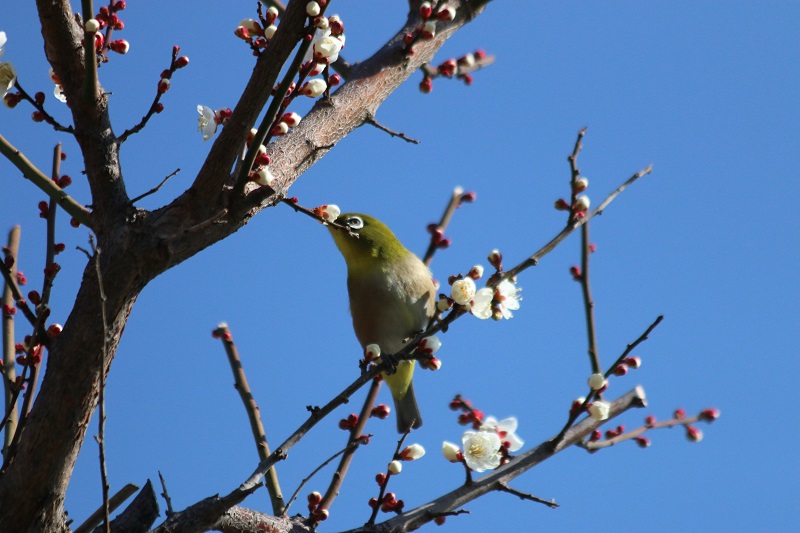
706	92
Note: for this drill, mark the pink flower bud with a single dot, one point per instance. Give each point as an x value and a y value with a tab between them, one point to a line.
426	85
411	453
693	434
381	411
446	14
633	362
120	46
425	10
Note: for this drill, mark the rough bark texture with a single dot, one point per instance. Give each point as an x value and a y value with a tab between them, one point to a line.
136	245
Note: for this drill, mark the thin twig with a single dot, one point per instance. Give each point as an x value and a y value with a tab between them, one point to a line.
586	289
253	415
385	483
350	445
438	232
292	202
628	349
165	495
371	120
353	438
555	241
216	219
502	487
47	117
154	106
100	438
156	188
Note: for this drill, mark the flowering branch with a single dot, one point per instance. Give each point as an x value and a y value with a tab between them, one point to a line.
40	114
355	437
265	128
493	480
9	373
679	419
438	239
163	86
253	414
555	241
577	186
48	186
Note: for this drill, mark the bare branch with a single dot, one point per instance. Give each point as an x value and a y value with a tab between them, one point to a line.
371	121
156	188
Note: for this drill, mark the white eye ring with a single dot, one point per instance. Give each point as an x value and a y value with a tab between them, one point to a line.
355	222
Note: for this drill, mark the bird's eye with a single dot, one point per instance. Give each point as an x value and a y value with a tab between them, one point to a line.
355	222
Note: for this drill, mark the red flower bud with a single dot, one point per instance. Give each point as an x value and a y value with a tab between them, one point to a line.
74	223
680	414
643	442
37	116
426	85
575	271
621	370
650	421
181	62
710	414
64	181
39	98
380	479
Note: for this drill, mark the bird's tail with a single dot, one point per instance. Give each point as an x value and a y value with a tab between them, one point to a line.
407	411
405	403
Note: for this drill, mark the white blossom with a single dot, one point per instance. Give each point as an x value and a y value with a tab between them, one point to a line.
207	123
331	212
506	429
463	291
328	47
481	450
395	467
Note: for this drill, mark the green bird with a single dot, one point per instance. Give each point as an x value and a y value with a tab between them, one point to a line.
392	299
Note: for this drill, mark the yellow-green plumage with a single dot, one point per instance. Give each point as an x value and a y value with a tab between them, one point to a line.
392	298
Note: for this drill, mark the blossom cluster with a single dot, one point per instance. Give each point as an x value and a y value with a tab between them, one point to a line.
495	302
488	444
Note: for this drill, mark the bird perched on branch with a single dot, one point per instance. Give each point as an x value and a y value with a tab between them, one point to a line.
392	299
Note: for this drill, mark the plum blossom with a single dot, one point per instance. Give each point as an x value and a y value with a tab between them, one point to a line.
463	290
481	450
506	429
504	298
210	119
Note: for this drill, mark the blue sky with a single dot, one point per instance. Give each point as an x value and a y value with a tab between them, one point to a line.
706	92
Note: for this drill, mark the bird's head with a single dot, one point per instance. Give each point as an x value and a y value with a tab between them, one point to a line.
374	242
